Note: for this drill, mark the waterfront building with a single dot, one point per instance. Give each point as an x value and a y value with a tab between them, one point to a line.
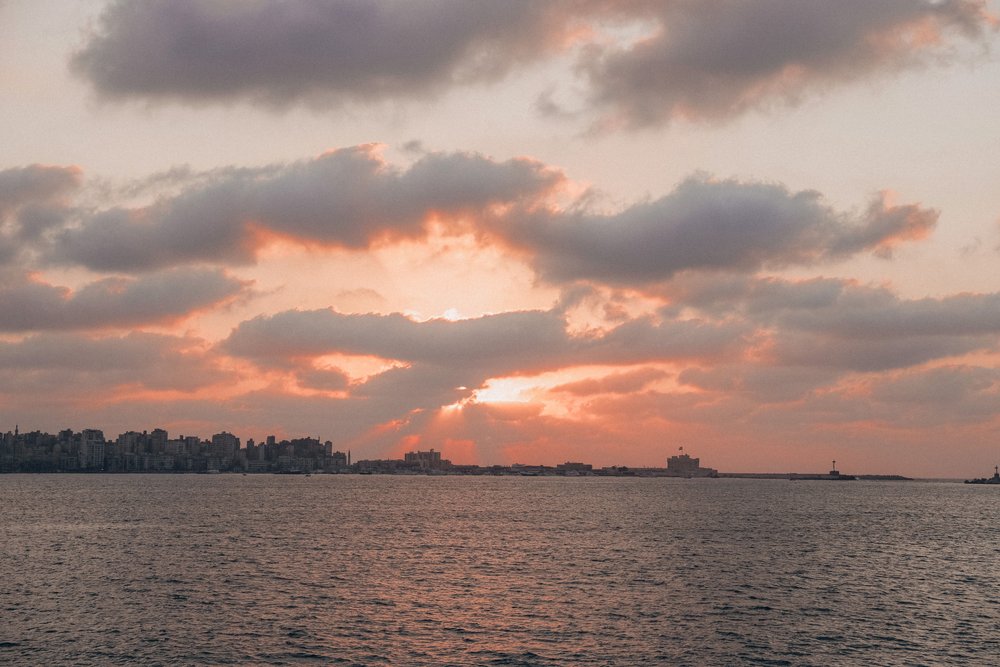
684	465
572	468
429	460
92	449
225	445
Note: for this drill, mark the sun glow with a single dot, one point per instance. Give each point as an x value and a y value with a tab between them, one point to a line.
505	390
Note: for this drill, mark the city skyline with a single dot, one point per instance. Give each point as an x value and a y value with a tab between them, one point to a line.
572	231
154	451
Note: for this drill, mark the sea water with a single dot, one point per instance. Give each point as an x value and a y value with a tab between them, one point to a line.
401	570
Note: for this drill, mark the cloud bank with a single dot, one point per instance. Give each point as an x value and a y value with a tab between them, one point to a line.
348	198
114	303
700	60
352	199
714	225
279	53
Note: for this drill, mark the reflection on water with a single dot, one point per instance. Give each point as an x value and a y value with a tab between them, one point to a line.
372	570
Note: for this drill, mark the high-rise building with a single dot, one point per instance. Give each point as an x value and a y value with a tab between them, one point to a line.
92	449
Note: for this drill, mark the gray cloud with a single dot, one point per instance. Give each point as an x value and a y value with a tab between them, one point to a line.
760	384
625	382
35	184
349	198
326	379
968	390
839	308
871	329
280	53
867	312
510	339
114	302
33	199
830	323
82	366
712	225
488	346
717	58
709	59
870	355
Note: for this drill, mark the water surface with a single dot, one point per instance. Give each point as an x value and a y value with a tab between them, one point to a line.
380	570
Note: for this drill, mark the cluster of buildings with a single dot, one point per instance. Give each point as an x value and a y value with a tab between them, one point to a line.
155	451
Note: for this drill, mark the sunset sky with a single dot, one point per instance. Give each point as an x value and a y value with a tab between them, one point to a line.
590	230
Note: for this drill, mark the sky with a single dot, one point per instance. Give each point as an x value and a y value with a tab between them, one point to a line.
765	231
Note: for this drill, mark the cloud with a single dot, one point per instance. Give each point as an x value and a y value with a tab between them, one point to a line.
717	58
90	367
347	198
519	342
712	225
860	312
323	52
30	305
33	199
838	307
870	355
615	383
35	184
507	340
711	59
759	383
353	199
957	393
324	379
835	323
442	362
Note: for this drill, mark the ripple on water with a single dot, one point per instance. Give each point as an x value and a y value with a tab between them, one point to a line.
367	570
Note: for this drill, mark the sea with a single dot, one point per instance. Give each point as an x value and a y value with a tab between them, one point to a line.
440	570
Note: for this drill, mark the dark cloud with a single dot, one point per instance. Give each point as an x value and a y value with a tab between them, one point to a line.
954	404
968	391
758	383
488	346
860	312
285	52
87	367
323	379
508	339
830	323
615	383
870	355
838	307
709	59
716	58
870	329
712	225
349	198
29	305
35	184
33	199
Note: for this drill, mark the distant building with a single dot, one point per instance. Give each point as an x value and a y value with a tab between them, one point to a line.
225	445
158	440
429	460
684	465
92	449
573	467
